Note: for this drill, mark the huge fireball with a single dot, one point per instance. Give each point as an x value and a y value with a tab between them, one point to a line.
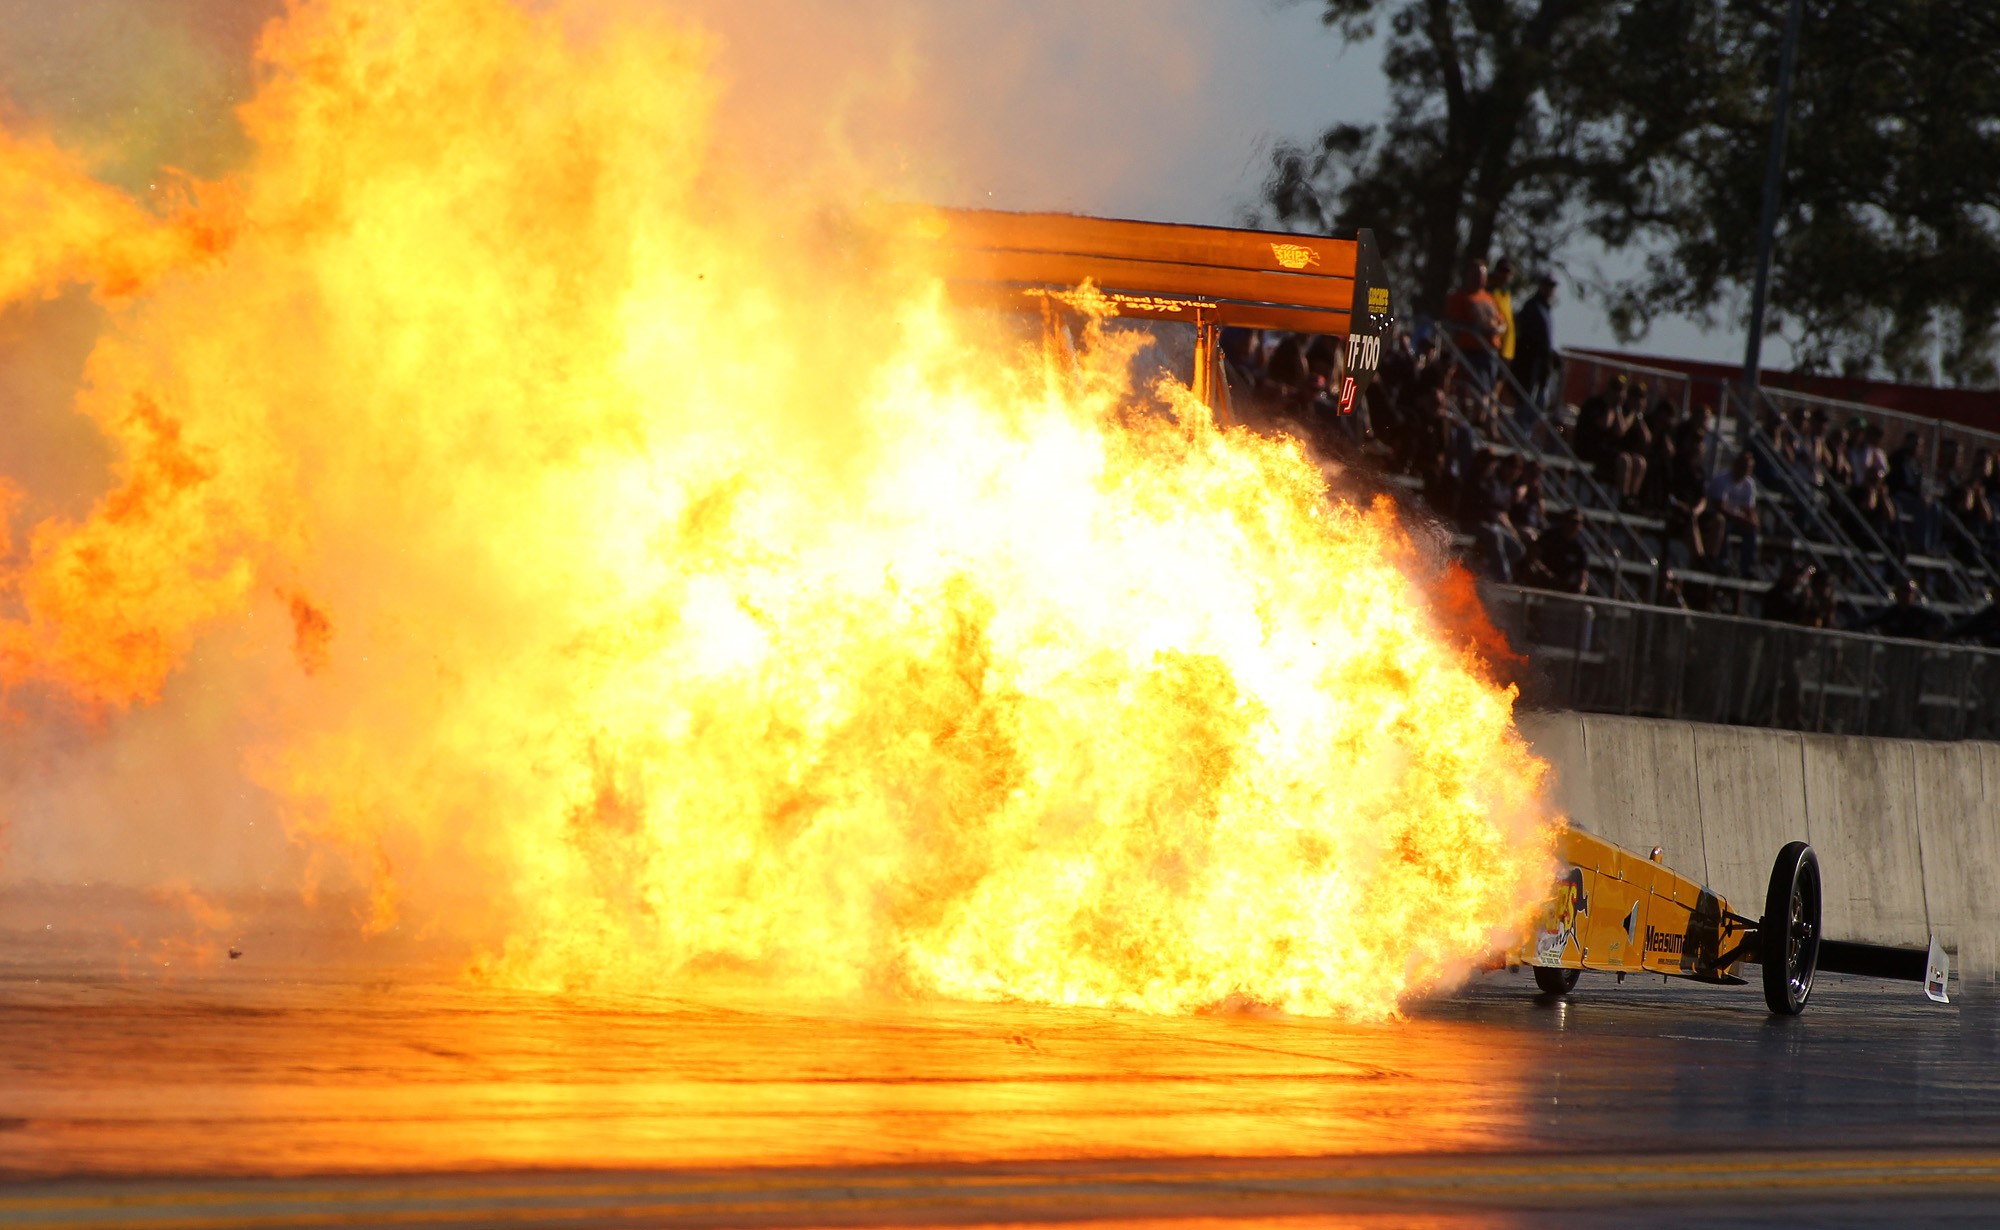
663	571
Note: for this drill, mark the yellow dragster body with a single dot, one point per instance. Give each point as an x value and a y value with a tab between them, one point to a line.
1619	912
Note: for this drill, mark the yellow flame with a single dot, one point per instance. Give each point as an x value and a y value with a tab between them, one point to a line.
655	557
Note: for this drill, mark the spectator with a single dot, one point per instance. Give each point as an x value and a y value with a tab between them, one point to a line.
1908	617
1535	359
1970	501
1501	287
1865	457
1732	513
1916	491
1595	439
1687	496
1484	501
1559	560
1824	609
1530	510
1476	324
1838	470
1906	468
1657	492
1877	510
1635	442
1813	445
1669	592
1790	598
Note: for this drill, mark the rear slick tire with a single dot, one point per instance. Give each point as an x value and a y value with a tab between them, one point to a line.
1788	934
1555	982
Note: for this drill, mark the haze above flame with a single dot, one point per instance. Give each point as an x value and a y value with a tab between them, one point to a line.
658	555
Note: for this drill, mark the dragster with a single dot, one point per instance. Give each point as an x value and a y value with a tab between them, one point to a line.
1619	912
1612	910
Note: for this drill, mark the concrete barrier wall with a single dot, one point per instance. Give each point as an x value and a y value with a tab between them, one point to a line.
1908	833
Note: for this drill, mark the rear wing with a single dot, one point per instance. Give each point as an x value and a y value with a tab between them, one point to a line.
1208	276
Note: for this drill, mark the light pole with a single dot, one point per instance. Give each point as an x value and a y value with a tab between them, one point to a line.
1774	170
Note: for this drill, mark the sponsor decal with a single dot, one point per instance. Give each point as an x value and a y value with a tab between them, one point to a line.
1558	924
1665	941
1364	353
1347	396
1378	298
1294	255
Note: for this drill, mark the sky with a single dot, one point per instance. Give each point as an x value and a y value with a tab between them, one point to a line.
1157	109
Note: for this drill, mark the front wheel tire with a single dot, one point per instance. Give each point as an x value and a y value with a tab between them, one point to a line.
1788	934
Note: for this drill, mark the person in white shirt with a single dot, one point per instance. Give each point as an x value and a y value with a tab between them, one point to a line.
1732	513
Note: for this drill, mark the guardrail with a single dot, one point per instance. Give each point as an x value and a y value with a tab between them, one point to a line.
1598	655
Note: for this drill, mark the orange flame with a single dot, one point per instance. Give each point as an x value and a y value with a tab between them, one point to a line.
709	595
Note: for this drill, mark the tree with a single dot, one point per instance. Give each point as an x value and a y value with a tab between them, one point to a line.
1530	124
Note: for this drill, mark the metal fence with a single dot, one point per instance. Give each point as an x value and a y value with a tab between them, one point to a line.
1602	656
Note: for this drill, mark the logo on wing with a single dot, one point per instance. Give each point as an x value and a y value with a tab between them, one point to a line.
1294	255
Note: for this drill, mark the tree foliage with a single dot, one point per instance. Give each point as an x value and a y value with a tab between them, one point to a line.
1527	125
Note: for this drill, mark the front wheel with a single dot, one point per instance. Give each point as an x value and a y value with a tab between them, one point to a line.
1555	981
1788	934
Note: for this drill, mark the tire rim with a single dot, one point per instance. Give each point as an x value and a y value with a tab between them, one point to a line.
1801	941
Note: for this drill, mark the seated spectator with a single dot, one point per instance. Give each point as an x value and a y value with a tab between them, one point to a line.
1790	598
1916	495
1813	449
1906	467
1594	439
1878	513
1635	441
1908	617
1823	604
1687	498
1657	490
1483	503
1559	560
1970	500
1530	510
1835	468
1669	592
1732	513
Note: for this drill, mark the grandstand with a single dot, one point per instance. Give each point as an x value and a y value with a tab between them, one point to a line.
1858	598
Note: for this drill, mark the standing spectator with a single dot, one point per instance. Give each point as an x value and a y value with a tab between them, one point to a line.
1864	452
1732	513
1535	359
1501	287
1476	324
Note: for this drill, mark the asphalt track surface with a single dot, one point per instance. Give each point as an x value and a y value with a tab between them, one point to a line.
246	1097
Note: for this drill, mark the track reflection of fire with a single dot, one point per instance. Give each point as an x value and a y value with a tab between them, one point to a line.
587	522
